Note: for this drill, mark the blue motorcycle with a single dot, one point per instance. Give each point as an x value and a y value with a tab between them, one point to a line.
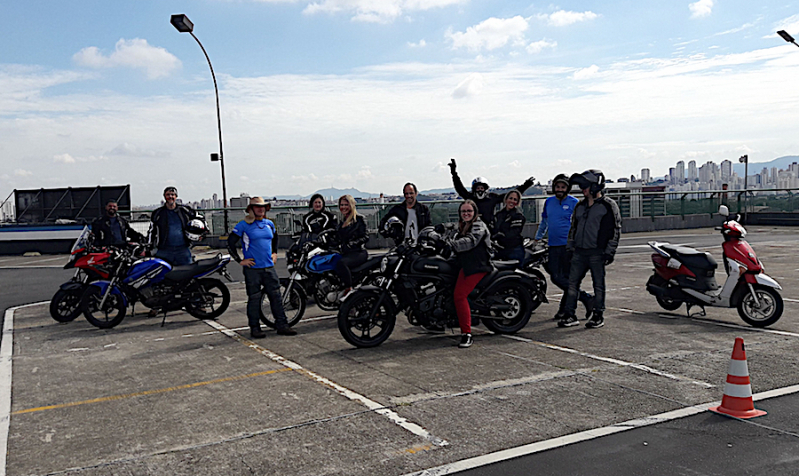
157	285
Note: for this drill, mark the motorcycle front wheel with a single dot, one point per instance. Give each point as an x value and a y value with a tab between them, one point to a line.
109	316
767	313
514	318
362	323
65	305
209	299
293	305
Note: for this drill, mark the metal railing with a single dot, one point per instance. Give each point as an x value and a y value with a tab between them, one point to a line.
633	204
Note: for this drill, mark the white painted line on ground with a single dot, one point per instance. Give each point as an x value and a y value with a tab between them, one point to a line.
791	300
6	351
356	397
32	267
587	435
613	361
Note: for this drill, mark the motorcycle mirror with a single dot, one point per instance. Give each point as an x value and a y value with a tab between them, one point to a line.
724	211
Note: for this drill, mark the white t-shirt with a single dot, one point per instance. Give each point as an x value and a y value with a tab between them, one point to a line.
411	225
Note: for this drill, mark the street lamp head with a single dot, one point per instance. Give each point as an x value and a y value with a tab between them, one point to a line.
214	157
182	23
786	36
744	159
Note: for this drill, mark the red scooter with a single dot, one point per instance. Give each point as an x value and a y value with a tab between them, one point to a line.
685	275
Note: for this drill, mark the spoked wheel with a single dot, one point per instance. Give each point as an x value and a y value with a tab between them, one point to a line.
293	305
362	322
765	312
209	299
65	305
110	315
668	304
513	318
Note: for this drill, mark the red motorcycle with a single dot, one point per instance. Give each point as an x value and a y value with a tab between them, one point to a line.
90	265
685	275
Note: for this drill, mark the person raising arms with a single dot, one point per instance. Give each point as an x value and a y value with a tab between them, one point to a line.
486	201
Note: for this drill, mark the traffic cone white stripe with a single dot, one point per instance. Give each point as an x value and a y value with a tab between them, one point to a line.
738	368
739	391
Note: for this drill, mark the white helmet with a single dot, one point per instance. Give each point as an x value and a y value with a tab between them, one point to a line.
196	230
480	181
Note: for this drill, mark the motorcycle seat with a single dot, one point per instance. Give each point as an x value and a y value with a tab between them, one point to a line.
505	265
182	273
369	264
692	258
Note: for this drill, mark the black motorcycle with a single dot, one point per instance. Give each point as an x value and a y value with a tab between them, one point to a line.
421	276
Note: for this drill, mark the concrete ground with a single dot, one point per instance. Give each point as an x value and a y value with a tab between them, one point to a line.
201	397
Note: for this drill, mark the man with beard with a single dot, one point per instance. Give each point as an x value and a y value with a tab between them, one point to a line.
413	214
556	220
486	201
113	230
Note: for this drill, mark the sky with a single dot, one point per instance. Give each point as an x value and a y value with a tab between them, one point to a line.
373	94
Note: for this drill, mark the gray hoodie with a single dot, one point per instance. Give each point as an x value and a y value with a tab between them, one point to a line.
596	227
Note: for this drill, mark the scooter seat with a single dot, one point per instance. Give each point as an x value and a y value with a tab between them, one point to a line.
693	259
182	273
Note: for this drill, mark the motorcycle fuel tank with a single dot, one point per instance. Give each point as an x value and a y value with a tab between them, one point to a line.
432	266
147	270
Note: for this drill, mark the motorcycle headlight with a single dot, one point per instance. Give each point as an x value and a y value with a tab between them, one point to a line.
383	264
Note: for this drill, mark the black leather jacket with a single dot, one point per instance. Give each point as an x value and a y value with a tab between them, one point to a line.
507	228
487	205
401	211
316	223
101	228
161	223
353	237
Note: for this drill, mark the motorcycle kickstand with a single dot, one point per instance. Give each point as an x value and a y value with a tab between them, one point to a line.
163	321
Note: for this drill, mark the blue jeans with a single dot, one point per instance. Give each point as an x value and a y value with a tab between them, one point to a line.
256	282
175	256
582	261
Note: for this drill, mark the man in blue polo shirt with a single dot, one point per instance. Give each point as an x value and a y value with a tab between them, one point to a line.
556	221
258	237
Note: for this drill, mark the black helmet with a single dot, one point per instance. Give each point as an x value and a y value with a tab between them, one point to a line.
592	179
561	178
393	228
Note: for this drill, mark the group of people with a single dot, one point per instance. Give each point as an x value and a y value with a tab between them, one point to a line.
582	235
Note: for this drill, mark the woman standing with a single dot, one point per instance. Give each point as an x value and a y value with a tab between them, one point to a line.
352	236
471	246
507	229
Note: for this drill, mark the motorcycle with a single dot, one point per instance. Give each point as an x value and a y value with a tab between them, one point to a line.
421	277
685	275
157	285
311	263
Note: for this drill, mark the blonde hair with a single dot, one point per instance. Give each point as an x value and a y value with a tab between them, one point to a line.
348	220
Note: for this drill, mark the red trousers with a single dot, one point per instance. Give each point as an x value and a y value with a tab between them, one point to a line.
463	287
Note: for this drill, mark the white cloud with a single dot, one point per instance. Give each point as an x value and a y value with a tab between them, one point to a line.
22	173
565	18
538	46
490	34
136	53
376	11
586	73
420	44
701	8
364	173
470	86
129	150
64	158
790	24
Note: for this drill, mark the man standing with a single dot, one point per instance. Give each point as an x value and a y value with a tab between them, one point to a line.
593	239
258	237
168	231
413	214
556	220
113	230
486	201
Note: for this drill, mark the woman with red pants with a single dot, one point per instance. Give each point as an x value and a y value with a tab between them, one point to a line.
471	246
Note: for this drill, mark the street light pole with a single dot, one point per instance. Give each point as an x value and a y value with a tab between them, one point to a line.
787	37
182	23
745	160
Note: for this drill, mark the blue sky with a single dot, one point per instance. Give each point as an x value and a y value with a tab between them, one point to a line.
371	94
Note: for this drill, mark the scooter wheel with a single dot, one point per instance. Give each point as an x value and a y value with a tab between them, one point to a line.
668	304
769	311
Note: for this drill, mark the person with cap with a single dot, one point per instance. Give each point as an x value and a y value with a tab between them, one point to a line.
113	230
507	227
593	240
318	219
258	237
486	201
168	230
414	215
556	220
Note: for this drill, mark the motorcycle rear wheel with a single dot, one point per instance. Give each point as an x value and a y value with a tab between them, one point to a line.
293	306
514	319
768	313
359	327
210	299
65	305
111	315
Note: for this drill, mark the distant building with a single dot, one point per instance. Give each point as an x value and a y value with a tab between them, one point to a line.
645	177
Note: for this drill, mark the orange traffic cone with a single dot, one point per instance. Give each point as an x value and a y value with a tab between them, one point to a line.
737	400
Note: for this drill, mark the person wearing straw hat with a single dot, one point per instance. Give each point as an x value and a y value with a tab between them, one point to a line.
258	237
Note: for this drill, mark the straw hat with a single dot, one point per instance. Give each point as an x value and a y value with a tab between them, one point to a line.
256	202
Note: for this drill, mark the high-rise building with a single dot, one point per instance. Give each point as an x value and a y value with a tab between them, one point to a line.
726	170
680	169
672	175
692	176
645	175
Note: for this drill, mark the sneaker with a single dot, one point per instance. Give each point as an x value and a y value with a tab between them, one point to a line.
568	321
286	331
466	341
257	333
596	321
588	302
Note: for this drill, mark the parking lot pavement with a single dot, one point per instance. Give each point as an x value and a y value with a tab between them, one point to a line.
201	397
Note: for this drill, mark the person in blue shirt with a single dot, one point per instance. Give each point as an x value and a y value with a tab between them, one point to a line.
556	220
258	237
168	228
